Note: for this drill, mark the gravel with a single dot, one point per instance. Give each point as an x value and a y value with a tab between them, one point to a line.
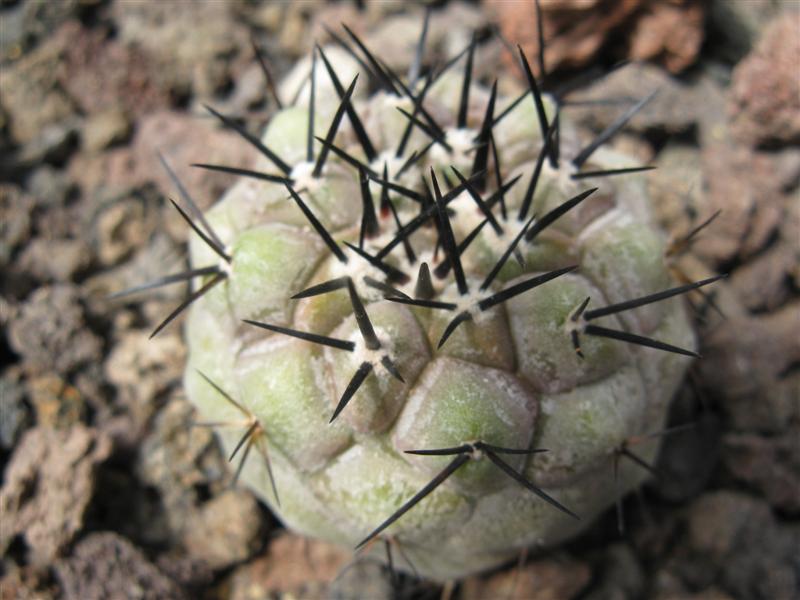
107	489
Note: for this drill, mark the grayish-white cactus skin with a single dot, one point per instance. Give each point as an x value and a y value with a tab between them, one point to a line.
509	377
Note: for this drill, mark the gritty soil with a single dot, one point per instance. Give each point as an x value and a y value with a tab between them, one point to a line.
106	490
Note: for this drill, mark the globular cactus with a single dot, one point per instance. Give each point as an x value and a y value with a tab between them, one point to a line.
431	316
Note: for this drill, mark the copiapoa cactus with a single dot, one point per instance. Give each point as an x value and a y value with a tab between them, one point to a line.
430	315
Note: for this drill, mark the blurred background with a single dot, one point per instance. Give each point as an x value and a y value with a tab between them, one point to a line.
107	493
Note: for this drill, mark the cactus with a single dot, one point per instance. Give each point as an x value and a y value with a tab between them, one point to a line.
430	316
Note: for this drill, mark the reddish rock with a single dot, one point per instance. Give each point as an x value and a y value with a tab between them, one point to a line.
575	31
670	33
765	91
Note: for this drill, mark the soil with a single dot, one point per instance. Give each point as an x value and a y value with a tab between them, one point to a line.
106	491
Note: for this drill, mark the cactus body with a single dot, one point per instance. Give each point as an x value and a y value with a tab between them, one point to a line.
508	375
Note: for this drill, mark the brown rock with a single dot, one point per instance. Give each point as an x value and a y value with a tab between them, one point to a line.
123	227
736	540
48	485
110	173
543	579
293	566
762	283
225	530
143	368
105	565
768	464
50	331
745	185
24	583
32	95
765	91
56	402
192	46
106	128
183	140
100	73
15	220
746	371
669	33
716	521
575	31
55	260
181	463
680	106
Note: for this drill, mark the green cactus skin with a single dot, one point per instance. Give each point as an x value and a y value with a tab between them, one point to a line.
509	377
